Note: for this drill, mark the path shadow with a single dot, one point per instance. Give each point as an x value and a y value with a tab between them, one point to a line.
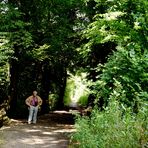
51	131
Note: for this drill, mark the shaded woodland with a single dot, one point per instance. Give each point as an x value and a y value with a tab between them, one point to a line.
43	43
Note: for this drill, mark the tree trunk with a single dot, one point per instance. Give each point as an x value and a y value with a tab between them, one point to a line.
14	75
60	103
45	87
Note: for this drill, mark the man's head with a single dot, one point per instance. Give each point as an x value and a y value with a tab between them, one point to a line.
34	93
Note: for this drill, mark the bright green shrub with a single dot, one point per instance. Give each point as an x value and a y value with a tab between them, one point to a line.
70	86
130	71
53	101
115	127
83	100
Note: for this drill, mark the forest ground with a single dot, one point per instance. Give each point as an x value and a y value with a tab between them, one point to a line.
51	131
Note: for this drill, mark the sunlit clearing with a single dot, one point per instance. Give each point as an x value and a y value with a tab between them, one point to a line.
76	88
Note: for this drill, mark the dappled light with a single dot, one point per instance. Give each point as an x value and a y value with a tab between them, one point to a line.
76	89
46	133
73	73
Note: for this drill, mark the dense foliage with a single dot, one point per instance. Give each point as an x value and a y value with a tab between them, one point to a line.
49	45
114	127
120	85
41	41
125	24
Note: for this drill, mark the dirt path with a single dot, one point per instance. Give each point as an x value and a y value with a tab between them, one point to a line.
51	131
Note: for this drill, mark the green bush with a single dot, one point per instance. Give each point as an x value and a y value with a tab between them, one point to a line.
53	101
130	71
115	127
70	86
83	100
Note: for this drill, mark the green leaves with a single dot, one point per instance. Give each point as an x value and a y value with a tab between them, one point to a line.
41	53
123	23
116	126
129	71
5	54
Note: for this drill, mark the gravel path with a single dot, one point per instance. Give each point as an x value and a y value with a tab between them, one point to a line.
51	131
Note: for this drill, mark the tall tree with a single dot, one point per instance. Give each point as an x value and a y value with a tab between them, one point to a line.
124	24
42	38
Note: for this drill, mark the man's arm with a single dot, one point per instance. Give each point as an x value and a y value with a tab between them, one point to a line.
27	101
39	101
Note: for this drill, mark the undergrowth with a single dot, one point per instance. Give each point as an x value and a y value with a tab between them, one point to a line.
115	127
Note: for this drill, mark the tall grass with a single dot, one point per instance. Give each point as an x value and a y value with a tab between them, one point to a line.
115	127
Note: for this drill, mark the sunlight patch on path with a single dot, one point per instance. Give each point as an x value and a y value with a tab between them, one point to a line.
50	132
26	136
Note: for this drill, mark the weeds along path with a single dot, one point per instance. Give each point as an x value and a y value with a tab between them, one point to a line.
51	131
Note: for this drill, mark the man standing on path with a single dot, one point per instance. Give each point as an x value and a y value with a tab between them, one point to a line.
34	101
